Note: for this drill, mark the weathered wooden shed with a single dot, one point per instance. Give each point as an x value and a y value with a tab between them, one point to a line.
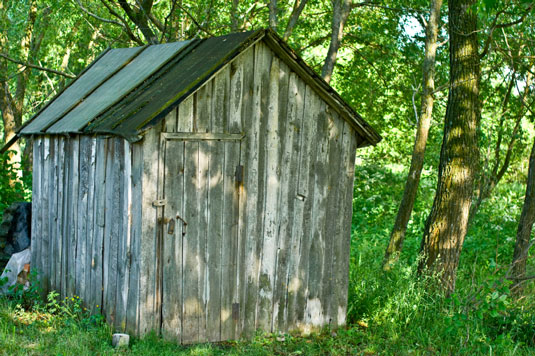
202	189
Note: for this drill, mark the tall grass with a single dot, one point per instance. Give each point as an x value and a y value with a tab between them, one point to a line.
404	313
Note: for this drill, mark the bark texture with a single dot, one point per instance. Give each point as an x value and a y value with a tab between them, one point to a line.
525	224
447	223
341	10
426	110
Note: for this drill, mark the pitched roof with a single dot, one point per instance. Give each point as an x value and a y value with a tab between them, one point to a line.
126	91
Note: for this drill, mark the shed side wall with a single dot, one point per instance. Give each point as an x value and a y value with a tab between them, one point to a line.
84	241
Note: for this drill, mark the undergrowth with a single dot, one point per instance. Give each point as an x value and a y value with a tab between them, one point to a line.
393	313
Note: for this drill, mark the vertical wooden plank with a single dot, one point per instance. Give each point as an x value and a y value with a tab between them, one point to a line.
88	261
45	246
97	248
287	242
215	156
147	318
229	240
332	234
315	306
297	279
243	269
203	111
132	312
215	189
204	122
172	241
85	156
52	212
37	217
342	247
170	121
186	115
271	200
236	88
65	228
60	209
116	269
191	245
107	301
204	280
220	101
255	184
73	216
123	252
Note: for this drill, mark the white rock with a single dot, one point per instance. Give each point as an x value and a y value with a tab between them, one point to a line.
120	340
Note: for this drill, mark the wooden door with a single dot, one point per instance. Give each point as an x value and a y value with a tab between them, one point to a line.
199	236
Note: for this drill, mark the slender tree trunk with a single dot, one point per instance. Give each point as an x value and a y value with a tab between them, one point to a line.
448	220
426	110
234	16
341	10
489	183
525	224
299	5
273	15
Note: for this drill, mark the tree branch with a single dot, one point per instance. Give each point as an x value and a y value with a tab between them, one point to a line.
495	25
173	4
129	32
29	65
98	17
199	26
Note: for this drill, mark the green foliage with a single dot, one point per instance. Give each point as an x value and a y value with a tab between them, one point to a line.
12	189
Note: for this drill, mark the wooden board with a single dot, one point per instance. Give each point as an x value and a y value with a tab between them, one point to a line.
37	217
315	305
172	241
59	236
73	215
252	185
191	245
99	222
229	313
132	311
244	245
287	246
271	194
341	268
45	231
148	320
296	277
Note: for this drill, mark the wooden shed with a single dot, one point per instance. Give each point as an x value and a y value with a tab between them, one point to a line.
202	189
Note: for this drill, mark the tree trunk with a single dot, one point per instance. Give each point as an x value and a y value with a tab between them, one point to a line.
299	5
273	15
426	110
525	224
447	223
341	10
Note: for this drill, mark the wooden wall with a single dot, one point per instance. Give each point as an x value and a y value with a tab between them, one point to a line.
84	241
295	203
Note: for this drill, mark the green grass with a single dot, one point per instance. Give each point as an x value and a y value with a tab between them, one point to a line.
389	313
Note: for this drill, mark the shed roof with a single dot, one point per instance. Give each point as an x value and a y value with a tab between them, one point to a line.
126	91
